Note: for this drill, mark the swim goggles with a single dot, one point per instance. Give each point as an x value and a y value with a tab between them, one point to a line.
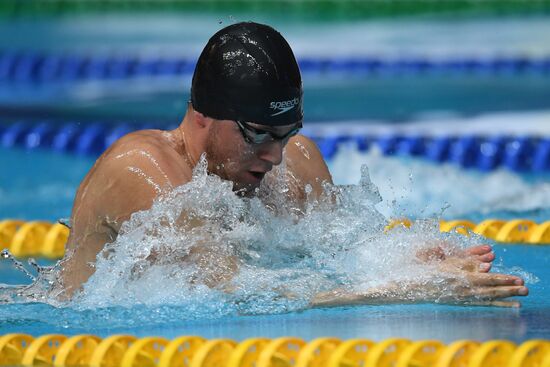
254	135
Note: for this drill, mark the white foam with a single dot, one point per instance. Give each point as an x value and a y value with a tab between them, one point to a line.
283	260
418	188
534	123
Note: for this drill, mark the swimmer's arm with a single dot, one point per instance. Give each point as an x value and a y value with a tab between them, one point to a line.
457	284
123	181
467	282
485	289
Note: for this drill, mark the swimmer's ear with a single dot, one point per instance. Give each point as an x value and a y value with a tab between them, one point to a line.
201	120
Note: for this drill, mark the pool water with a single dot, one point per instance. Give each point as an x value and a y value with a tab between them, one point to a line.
445	323
423	321
329	96
40	184
42	187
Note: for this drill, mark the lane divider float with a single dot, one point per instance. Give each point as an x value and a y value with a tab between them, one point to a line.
486	153
34	238
194	351
48	240
510	231
28	67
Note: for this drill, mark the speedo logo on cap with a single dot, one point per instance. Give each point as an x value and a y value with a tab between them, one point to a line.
283	106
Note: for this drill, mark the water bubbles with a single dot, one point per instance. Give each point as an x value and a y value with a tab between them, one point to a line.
32	262
444	208
5	254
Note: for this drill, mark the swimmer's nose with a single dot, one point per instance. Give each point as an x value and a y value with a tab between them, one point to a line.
271	152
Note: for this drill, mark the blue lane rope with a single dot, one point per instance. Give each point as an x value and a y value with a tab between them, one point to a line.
516	153
29	67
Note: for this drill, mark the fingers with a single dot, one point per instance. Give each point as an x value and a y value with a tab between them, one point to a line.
479	250
491	279
492	293
469	264
473	256
482	263
482	253
486	257
487	286
484	267
479	258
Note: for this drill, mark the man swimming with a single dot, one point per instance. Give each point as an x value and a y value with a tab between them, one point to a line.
244	116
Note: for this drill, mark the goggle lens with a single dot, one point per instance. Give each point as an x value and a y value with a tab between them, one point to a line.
257	136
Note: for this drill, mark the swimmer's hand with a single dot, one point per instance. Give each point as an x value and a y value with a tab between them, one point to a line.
458	284
477	258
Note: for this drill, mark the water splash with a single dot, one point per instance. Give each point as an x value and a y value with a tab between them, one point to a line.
217	254
279	257
418	188
40	290
6	255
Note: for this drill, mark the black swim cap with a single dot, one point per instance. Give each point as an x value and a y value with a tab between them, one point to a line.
248	72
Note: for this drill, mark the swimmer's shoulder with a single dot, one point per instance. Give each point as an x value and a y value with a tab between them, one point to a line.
305	161
155	141
301	146
303	154
145	155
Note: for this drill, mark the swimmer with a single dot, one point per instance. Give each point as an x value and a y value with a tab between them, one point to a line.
244	115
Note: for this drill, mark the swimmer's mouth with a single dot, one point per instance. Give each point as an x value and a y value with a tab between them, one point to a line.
258	175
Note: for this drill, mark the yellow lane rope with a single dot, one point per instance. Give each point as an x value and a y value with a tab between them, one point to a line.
194	351
511	231
44	239
35	238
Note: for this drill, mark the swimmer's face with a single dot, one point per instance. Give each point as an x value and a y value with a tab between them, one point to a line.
233	158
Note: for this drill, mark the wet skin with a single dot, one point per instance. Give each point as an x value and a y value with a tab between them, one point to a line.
145	164
142	165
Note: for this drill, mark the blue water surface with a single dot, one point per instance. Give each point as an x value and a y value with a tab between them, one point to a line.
423	321
41	185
